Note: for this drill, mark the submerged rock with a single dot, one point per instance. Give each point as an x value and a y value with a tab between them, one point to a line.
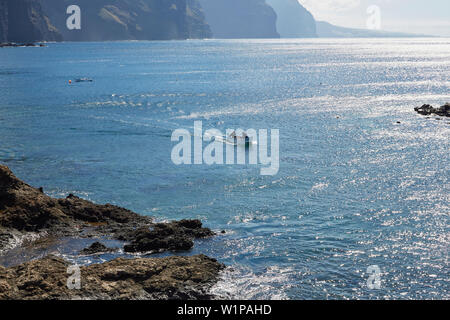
144	278
176	235
427	109
97	248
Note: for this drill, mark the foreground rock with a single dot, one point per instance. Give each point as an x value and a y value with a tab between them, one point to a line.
427	109
145	278
28	213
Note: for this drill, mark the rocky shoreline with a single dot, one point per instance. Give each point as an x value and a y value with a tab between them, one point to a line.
28	213
16	45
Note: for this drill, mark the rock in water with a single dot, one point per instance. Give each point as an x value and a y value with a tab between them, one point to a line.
427	109
145	278
176	235
97	248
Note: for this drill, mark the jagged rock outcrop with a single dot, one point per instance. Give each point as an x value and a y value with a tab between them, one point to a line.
144	278
24	21
240	19
26	209
103	20
293	20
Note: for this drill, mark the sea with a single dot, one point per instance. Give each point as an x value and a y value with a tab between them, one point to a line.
360	205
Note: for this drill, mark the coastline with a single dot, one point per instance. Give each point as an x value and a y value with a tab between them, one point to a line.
29	217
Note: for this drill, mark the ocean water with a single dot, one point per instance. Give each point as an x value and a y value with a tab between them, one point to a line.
355	188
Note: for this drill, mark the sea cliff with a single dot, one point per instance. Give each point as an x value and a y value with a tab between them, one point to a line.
25	21
238	19
293	20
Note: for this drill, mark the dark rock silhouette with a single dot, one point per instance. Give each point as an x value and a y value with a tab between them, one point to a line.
427	109
97	248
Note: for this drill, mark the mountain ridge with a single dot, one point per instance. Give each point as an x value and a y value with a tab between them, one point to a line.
328	30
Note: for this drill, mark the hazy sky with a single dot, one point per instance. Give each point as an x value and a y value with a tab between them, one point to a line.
413	16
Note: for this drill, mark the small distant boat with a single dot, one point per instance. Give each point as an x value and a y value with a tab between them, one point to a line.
84	80
241	140
235	140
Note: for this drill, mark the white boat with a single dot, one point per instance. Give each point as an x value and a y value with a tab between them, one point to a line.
236	141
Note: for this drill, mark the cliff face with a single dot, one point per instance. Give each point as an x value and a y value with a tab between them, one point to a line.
3	22
294	21
130	19
25	21
240	18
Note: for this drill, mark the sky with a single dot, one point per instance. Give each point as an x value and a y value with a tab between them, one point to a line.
429	17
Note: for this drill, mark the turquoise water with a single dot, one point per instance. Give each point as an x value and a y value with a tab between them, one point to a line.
354	189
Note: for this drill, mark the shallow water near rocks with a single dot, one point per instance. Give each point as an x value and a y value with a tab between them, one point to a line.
355	188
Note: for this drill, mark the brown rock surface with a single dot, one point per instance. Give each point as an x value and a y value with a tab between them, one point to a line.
144	278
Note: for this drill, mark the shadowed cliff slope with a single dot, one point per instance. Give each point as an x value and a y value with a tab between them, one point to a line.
293	21
130	19
25	21
234	19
